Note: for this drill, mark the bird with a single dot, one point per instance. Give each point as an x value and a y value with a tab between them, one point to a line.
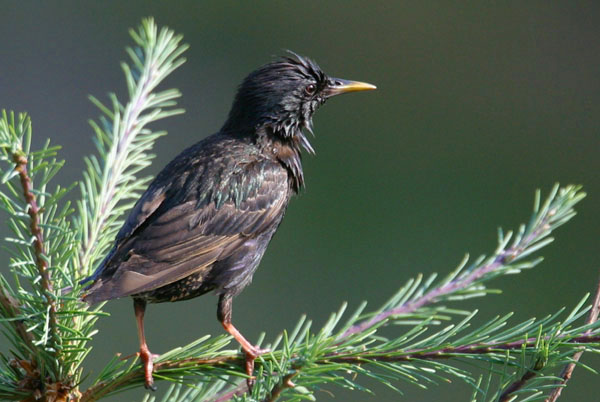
205	221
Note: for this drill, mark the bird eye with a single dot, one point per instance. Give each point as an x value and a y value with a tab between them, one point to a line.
310	89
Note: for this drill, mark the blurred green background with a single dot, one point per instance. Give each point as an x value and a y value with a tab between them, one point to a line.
478	104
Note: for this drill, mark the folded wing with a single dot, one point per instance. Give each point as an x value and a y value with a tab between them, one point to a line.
170	235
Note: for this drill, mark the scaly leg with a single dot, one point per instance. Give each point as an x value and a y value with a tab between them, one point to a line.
224	311
139	306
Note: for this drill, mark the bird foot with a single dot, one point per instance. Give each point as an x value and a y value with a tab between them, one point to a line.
251	355
147	361
255	351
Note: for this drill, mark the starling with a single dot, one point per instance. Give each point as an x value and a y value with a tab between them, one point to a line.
205	221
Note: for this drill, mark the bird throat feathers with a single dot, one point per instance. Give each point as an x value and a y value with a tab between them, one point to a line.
287	150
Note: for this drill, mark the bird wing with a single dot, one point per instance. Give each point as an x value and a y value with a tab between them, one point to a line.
171	234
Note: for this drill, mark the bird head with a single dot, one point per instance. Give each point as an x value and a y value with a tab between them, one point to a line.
281	98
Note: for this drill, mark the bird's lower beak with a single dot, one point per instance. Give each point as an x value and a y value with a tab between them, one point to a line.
337	86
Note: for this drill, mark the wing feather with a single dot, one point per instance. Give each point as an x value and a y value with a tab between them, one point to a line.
170	235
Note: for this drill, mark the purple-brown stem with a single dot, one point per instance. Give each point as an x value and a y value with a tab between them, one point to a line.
517	385
451	351
286	382
501	260
38	243
568	370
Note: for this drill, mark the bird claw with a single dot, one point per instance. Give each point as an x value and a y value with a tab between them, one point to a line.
150	386
251	355
251	380
147	361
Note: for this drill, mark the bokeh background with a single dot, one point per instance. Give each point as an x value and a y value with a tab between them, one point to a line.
478	104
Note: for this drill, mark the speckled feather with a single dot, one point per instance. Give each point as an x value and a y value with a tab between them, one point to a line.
188	229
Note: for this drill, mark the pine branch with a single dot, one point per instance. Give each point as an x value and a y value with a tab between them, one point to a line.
567	372
356	357
48	327
29	316
136	376
359	357
570	367
197	366
41	258
529	239
285	383
507	395
123	141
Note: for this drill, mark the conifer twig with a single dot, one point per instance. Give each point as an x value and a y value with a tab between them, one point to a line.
507	395
125	142
570	367
135	376
286	382
451	351
102	388
501	260
38	244
567	371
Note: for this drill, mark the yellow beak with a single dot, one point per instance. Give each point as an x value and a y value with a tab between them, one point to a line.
337	86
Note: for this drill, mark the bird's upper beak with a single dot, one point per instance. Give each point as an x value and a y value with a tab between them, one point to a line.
338	86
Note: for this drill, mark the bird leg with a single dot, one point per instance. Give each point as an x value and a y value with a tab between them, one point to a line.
224	312
139	306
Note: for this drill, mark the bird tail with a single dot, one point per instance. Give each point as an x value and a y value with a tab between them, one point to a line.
88	295
91	295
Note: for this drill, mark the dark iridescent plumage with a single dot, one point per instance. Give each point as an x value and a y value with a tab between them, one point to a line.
205	221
